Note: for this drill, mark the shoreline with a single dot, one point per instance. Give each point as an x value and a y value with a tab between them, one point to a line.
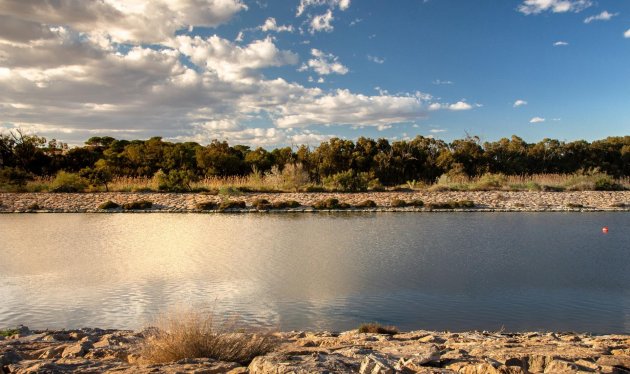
485	201
99	350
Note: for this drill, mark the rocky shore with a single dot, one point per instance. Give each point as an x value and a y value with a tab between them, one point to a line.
179	202
98	351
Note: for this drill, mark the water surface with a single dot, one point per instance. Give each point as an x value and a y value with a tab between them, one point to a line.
455	271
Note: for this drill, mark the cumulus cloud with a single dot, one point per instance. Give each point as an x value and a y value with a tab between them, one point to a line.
627	34
439	82
555	6
460	105
537	120
305	4
148	21
324	63
271	25
603	16
321	22
519	103
560	43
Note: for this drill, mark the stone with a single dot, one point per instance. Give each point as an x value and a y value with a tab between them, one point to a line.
618	361
537	363
76	350
561	367
9	357
279	363
372	364
51	353
430	354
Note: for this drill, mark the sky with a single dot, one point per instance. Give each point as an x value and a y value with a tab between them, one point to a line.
287	72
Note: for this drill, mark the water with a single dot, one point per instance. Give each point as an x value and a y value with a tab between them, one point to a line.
459	271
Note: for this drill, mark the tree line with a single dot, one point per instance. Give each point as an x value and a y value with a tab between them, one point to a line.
24	156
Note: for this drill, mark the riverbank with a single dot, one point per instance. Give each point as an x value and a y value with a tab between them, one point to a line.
96	350
384	201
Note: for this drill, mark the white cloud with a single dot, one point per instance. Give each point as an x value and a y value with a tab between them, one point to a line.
271	25
603	16
537	120
555	6
627	34
460	105
304	4
229	61
560	43
149	21
439	82
519	102
324	64
437	131
376	59
322	23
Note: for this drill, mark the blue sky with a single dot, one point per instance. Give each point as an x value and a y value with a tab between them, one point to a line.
395	69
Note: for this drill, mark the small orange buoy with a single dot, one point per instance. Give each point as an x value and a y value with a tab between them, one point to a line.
605	229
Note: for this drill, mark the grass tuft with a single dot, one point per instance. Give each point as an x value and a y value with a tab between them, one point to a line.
366	204
229	204
206	205
377	328
191	334
331	203
138	205
108	205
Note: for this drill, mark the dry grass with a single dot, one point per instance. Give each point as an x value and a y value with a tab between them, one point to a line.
289	182
191	334
377	328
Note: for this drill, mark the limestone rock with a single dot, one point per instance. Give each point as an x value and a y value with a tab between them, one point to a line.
278	363
9	357
76	350
561	367
372	364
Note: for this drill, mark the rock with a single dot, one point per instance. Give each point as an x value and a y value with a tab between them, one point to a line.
431	354
51	353
616	361
9	357
372	364
23	330
561	367
279	363
537	363
76	350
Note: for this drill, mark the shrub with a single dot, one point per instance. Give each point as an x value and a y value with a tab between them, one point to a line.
607	184
138	205
366	204
350	181
108	205
398	203
261	204
175	180
620	205
331	203
34	206
229	204
13	179
292	177
416	203
67	182
193	335
376	328
574	205
230	191
490	182
314	189
97	176
452	204
286	204
9	332
206	205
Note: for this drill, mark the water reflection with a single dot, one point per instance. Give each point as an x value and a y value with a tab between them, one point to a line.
435	271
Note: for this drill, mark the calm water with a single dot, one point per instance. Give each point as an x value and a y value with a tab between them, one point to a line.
522	271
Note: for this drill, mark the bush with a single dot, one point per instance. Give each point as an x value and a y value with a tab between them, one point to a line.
397	203
574	205
350	181
206	205
9	332
366	204
607	184
314	189
261	204
67	182
34	206
175	180
416	203
193	335
286	204
490	182
14	179
230	191
331	203
452	204
228	204
108	205
138	205
376	328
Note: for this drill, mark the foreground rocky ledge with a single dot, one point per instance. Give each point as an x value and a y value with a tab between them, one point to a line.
177	202
97	351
